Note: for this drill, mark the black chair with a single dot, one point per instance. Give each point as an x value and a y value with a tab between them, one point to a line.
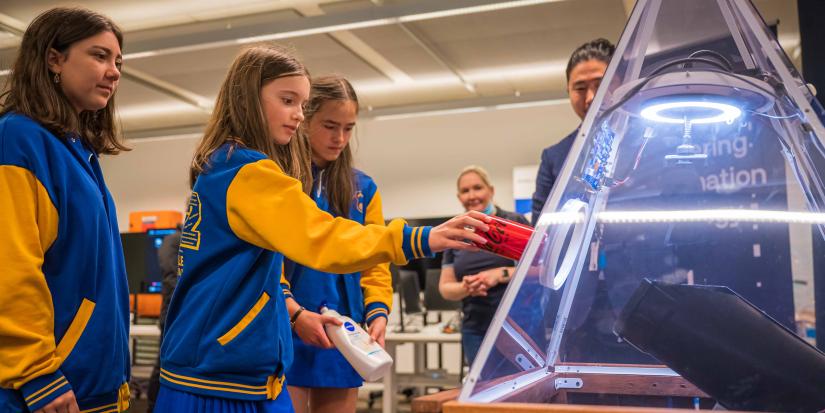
410	302
433	300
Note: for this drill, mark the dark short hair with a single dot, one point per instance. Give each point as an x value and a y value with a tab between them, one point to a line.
599	49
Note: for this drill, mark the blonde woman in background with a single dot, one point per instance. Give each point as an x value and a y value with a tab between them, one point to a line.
477	278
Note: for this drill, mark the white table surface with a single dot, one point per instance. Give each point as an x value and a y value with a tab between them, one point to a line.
428	334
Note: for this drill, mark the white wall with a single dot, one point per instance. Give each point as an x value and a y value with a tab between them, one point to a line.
414	160
154	175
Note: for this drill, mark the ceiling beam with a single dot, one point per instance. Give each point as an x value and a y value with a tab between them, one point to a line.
12	25
487	102
17	27
445	107
362	50
628	6
223	11
168	89
437	55
370	56
14	28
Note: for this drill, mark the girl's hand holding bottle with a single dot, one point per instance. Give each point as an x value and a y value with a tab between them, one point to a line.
309	326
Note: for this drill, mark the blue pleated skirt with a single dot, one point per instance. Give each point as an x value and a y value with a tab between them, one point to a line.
174	401
320	367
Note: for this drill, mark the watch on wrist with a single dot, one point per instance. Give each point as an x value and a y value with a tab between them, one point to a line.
295	317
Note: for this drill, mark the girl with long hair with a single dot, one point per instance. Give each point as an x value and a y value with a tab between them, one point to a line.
228	341
64	313
321	380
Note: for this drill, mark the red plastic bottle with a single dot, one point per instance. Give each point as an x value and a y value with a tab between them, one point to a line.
506	238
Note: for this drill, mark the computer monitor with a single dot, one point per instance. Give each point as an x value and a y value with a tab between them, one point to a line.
726	346
433	300
140	252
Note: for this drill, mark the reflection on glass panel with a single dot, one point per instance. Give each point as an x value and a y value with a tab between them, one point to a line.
672	264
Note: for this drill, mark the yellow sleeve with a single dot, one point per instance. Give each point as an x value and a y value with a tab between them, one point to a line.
267	208
29	227
376	281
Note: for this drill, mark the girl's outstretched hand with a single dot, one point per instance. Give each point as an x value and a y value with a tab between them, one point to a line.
458	232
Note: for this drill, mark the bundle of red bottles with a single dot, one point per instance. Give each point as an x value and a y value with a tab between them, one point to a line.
506	238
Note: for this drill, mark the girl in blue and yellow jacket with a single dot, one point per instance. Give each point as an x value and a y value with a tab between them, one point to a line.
321	379
64	307
228	342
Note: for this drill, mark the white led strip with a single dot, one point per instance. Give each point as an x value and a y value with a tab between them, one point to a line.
702	215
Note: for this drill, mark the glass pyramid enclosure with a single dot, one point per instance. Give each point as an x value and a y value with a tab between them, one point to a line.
673	263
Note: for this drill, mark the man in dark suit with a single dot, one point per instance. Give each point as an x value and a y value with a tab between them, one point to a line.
585	70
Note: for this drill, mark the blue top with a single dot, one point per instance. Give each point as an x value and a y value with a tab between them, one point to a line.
552	159
363	296
348	294
227	331
64	315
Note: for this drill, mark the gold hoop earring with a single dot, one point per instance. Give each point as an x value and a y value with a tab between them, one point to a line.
57	78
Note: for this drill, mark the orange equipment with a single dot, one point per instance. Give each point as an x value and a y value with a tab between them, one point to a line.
140	221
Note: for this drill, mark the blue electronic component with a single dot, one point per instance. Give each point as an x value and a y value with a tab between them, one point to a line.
596	168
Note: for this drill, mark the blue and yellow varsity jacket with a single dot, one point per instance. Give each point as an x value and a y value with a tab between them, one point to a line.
64	301
227	331
363	296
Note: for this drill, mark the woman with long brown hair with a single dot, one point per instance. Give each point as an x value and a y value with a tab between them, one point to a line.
321	380
64	312
228	341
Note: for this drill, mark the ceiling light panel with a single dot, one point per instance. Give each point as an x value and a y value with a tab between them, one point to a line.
522	36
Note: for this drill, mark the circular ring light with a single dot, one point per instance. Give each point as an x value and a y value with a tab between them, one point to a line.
560	275
747	93
727	113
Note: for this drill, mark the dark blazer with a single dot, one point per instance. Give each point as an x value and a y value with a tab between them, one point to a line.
552	159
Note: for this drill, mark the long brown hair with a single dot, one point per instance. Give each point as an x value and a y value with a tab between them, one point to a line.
238	115
338	177
30	90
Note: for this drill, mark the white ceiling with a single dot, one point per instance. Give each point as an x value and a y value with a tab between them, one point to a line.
506	55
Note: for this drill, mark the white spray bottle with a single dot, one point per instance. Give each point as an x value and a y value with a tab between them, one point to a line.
365	355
